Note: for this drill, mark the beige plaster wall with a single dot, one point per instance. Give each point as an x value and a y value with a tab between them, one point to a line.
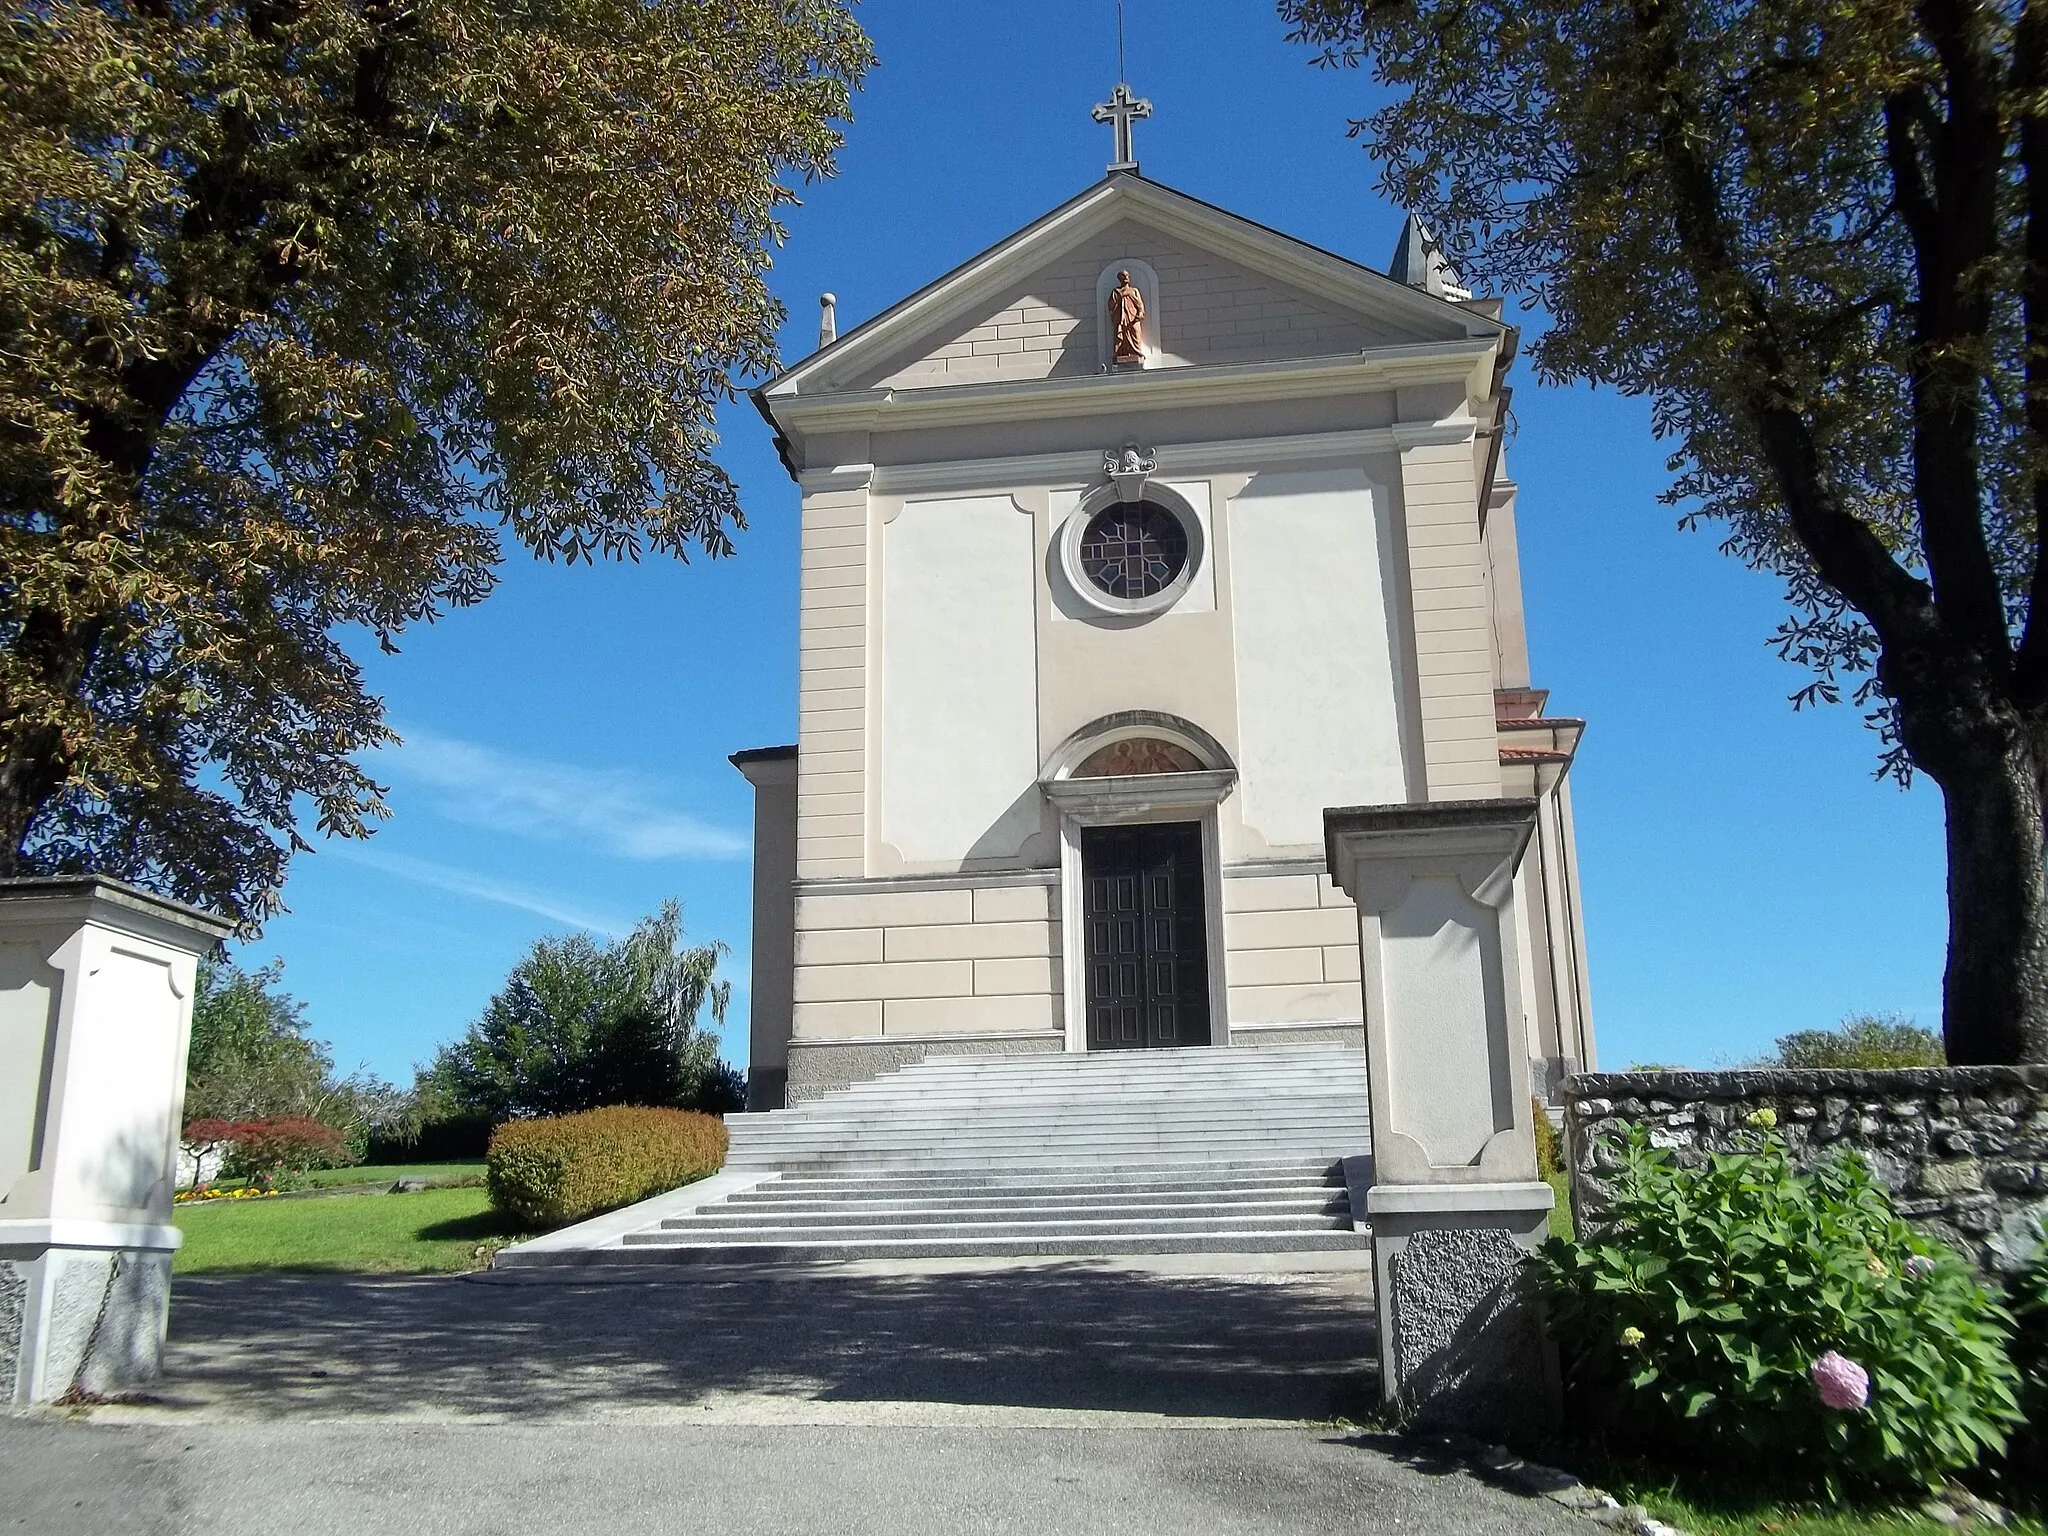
957	751
1320	651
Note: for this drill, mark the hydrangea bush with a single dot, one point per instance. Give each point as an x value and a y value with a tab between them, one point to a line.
1743	1311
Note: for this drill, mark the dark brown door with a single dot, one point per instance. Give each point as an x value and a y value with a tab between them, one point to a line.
1147	936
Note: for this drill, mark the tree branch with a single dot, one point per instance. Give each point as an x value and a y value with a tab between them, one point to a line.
1845	550
1952	318
2030	76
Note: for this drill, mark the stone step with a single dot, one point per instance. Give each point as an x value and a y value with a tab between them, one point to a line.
1321	1097
1059	1131
1215	1149
1306	1196
910	1184
879	1157
1247	1103
910	1083
1077	1147
1190	1061
854	1231
693	1252
859	1212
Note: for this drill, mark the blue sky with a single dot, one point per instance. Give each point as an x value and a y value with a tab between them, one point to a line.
565	758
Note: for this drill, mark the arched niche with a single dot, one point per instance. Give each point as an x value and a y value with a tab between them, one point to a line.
1097	742
1146	281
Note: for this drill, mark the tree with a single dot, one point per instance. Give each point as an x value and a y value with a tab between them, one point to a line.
1816	235
579	1024
1862	1040
301	303
251	1059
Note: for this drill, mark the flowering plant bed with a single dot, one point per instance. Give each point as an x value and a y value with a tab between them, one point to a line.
201	1194
1788	1324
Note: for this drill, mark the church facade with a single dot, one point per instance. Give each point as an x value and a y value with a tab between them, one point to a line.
1128	548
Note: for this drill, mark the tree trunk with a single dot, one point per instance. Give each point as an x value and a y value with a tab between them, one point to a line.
34	762
1995	991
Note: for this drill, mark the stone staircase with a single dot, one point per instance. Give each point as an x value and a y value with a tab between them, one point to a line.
1199	1151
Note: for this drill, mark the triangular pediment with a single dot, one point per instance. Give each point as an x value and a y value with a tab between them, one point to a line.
1220	290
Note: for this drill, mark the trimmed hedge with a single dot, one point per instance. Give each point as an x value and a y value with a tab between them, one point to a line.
554	1171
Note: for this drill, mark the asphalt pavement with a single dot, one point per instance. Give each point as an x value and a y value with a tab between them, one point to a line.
909	1399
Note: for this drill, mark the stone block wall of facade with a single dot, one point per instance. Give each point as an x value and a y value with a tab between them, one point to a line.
1291	953
929	958
1964	1150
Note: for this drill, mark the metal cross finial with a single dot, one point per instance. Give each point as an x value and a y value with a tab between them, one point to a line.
1123	109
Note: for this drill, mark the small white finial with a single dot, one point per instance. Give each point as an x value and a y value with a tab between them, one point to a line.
828	320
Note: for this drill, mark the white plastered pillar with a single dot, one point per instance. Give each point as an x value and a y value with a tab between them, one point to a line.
96	982
1454	1200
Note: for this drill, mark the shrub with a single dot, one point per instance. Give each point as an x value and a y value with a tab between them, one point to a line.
548	1172
1549	1155
1732	1309
1865	1041
2027	1296
277	1151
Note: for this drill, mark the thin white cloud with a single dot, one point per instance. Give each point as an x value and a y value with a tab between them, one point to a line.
616	810
462	882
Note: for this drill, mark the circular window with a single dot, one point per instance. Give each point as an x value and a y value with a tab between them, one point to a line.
1134	550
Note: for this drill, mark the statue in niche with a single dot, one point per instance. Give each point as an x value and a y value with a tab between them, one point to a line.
1126	321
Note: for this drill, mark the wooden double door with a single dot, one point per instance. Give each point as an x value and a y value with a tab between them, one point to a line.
1146	935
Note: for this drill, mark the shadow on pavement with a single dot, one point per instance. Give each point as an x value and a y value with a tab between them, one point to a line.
1058	1337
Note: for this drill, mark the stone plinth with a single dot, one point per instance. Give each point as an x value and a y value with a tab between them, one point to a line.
1455	1204
96	983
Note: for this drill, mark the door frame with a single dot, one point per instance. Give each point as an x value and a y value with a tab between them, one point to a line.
1122	801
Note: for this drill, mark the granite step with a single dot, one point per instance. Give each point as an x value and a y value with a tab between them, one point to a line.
1224	1150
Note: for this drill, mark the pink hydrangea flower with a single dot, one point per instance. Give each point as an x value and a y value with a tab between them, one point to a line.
1843	1383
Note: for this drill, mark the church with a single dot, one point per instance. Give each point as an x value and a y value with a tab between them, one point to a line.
1129	548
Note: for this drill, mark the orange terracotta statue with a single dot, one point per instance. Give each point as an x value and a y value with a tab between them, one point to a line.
1127	321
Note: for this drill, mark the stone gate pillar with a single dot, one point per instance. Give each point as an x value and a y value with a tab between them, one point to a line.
1455	1202
96	983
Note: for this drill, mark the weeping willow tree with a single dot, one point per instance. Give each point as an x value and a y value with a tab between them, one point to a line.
1815	234
305	306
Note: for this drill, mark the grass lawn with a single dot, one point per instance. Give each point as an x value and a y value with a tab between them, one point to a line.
385	1175
1701	1505
1560	1213
432	1231
1775	1520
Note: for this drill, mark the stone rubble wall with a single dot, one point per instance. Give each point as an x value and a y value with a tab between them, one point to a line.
1964	1150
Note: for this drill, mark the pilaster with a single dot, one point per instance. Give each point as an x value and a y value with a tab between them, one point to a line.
1454	641
1455	1203
832	676
96	984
